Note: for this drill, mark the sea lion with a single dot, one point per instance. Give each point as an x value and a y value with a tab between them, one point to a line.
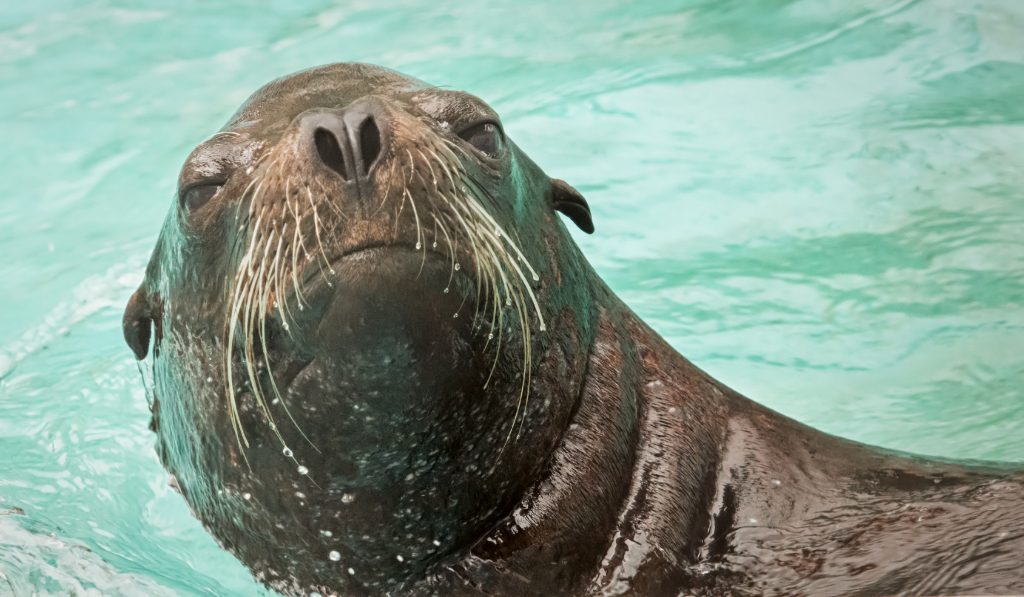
381	365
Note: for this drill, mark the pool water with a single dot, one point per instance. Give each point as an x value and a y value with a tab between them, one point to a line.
820	202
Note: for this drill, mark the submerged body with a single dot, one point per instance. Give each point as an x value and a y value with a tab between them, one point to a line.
382	366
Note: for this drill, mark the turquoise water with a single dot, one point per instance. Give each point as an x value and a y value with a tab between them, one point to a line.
820	202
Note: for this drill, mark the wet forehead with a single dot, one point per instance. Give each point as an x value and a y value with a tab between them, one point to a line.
331	86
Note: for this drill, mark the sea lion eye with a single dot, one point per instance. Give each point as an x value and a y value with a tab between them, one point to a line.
485	136
198	195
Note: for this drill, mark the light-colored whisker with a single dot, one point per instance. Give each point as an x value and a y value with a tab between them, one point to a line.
316	229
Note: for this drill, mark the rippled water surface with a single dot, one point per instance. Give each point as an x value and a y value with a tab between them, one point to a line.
821	202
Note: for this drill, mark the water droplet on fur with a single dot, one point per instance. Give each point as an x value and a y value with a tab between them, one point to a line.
446	290
287	452
400	558
419	245
326	533
334	556
303	470
247	495
457	267
436	543
347	498
351	572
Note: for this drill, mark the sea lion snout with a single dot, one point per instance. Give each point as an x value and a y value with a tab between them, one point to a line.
349	141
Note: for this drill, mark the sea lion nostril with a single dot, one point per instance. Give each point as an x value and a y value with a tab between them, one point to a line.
369	143
330	151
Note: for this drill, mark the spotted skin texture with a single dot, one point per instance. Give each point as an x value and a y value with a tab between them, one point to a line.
382	366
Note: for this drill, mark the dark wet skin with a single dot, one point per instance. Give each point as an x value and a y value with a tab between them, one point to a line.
626	471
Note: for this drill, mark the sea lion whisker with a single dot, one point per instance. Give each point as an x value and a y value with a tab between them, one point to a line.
449	175
316	229
419	233
527	366
245	192
273	382
387	191
471	236
278	274
514	262
237	301
451	249
430	167
327	199
497	307
253	316
267	283
254	202
525	332
415	213
296	244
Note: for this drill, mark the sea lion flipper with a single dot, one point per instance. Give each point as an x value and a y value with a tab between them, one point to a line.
570	202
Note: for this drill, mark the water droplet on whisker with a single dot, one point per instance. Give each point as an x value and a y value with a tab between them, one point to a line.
419	245
303	470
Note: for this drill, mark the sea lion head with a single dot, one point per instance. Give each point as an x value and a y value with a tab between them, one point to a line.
370	327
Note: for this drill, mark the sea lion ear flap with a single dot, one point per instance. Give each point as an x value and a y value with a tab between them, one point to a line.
137	323
569	201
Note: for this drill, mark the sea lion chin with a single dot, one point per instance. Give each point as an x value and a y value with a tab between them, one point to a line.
381	365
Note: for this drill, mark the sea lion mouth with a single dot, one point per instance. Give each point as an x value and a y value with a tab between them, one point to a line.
320	273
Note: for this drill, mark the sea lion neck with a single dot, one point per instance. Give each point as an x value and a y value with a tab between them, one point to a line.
637	398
